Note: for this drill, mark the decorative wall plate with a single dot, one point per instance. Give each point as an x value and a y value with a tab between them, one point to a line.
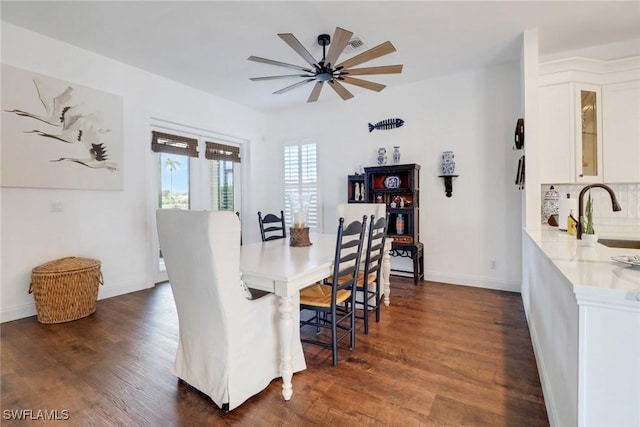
392	181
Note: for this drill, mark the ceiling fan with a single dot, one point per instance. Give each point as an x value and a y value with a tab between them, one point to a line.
327	71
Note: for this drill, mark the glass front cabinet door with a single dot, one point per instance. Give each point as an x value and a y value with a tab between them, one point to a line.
588	133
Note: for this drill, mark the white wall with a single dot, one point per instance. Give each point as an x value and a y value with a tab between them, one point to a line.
472	113
530	215
112	226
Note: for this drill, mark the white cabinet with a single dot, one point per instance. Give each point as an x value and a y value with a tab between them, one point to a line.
621	131
587	106
589	121
570	133
556	134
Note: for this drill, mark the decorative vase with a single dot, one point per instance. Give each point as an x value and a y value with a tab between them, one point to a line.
448	163
396	154
550	204
382	156
590	239
400	224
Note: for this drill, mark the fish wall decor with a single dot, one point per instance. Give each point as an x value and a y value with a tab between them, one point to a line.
386	124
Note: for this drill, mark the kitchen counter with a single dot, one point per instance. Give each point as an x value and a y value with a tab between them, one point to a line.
591	270
583	311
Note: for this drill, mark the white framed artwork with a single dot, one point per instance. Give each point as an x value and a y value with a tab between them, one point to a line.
57	134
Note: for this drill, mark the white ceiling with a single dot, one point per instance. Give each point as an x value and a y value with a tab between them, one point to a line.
205	44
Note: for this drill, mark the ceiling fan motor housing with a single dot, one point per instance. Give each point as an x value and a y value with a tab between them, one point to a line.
324	76
324	39
324	73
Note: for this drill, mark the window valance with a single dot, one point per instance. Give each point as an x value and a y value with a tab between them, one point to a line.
174	144
217	151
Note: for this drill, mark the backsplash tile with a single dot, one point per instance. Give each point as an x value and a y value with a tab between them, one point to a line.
628	196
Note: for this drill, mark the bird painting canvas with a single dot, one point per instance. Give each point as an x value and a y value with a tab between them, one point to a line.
57	134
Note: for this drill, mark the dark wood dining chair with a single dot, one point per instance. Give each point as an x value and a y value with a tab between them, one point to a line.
333	302
271	226
369	283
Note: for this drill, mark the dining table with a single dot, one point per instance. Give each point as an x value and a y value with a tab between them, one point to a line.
276	266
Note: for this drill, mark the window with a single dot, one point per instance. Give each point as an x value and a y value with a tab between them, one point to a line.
187	179
175	152
222	158
221	173
301	181
174	181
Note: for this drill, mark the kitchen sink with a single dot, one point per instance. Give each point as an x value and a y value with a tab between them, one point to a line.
620	243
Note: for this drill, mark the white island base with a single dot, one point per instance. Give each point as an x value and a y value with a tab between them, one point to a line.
583	311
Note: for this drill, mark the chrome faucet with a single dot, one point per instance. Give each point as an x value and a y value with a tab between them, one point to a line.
614	204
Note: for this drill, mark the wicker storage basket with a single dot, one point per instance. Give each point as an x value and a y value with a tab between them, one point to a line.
66	289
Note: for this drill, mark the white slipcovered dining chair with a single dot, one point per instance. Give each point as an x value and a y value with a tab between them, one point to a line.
229	345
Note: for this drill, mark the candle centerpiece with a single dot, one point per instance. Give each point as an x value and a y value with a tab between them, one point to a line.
298	220
299	233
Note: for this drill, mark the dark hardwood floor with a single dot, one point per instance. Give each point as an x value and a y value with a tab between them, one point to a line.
442	355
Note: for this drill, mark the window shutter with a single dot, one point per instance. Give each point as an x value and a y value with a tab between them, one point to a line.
217	151
301	180
221	174
174	144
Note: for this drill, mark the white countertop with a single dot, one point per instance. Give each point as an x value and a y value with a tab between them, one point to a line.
591	271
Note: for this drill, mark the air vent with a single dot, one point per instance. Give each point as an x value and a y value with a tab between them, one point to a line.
355	45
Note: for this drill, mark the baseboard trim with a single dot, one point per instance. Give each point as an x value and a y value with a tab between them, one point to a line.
18	312
547	392
28	310
127	288
474	281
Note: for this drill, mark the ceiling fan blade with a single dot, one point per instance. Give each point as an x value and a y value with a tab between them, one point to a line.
297	46
293	86
373	53
278	63
384	69
288	76
363	83
340	39
315	93
340	90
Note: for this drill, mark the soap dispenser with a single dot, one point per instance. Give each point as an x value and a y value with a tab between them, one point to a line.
565	205
572	224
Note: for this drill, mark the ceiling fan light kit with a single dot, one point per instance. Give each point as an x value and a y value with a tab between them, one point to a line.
324	71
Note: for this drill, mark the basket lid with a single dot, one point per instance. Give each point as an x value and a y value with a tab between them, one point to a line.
66	264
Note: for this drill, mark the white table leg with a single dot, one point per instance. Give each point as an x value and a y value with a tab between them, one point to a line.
386	272
286	335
